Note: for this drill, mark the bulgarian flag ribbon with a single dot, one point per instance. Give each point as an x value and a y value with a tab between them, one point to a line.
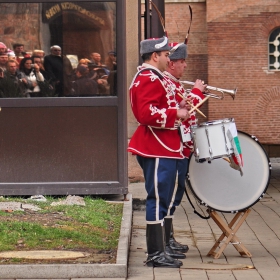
237	154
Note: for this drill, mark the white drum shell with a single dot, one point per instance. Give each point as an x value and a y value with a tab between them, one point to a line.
222	188
219	142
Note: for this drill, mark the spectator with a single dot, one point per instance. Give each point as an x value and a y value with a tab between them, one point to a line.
3	60
12	84
33	76
11	55
39	53
39	62
111	61
96	59
83	86
19	52
53	64
46	87
60	69
99	75
84	61
3	48
11	70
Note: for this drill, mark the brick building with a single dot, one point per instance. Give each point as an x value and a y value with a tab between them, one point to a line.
232	44
229	47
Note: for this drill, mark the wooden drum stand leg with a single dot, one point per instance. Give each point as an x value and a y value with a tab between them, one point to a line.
230	233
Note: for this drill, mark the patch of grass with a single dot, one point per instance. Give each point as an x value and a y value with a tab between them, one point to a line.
94	226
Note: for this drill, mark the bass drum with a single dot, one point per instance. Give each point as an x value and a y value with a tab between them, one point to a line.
220	187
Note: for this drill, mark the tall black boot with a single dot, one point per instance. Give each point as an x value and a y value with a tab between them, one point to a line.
155	246
173	244
168	250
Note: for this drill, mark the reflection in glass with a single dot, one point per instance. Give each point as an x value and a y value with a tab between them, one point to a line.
71	48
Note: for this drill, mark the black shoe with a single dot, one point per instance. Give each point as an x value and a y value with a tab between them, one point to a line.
170	239
174	245
162	260
155	247
173	253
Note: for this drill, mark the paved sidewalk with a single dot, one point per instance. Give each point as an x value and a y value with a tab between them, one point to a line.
260	233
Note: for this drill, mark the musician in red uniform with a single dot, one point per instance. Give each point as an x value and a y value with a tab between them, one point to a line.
156	143
174	72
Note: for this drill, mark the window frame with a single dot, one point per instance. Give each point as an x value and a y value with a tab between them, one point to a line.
119	101
270	66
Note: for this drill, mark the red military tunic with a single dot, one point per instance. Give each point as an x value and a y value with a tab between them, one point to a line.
195	96
155	108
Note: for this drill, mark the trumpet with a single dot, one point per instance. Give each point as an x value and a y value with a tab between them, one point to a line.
231	92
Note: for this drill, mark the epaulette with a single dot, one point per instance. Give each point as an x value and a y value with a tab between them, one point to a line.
153	70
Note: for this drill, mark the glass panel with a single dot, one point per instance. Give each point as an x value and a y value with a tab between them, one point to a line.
271	60
58	49
274	34
271	48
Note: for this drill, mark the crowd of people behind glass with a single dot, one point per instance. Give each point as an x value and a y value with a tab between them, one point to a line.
35	74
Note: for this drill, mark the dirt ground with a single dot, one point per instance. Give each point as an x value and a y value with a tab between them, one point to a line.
52	219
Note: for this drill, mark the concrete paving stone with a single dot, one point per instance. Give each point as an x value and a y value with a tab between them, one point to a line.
269	274
168	277
138	254
167	273
266	267
138	251
187	274
241	261
137	261
220	275
247	274
217	266
141	270
140	278
97	279
259	252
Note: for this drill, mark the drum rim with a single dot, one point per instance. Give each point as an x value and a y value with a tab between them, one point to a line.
242	209
215	122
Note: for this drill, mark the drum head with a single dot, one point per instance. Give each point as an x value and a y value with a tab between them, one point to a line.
222	188
217	122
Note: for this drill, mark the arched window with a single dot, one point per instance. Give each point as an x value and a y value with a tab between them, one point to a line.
274	50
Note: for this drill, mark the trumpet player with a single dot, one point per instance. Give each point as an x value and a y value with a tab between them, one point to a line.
174	72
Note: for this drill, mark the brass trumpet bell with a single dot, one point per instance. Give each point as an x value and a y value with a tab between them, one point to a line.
231	92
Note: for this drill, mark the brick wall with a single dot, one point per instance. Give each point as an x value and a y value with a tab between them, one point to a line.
238	57
228	48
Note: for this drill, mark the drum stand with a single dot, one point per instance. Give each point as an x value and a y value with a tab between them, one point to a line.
230	233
